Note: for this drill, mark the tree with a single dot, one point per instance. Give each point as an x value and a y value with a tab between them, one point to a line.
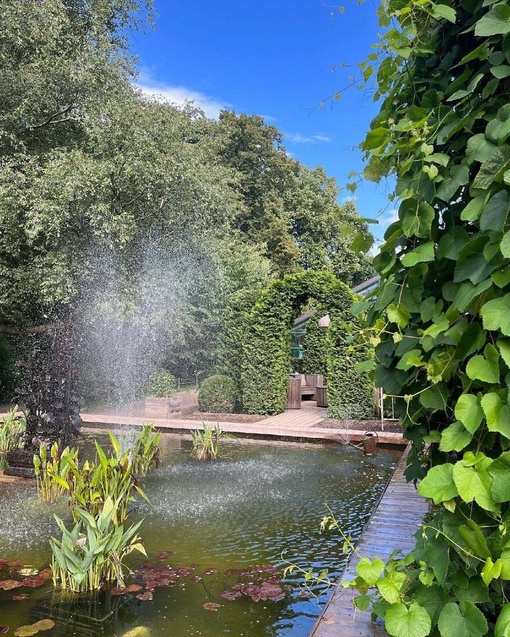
441	315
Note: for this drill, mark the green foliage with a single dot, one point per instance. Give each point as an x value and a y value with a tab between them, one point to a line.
217	394
260	345
91	555
350	391
206	443
51	472
441	315
314	345
161	383
12	430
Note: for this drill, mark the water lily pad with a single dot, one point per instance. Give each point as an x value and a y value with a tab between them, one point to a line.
145	597
212	606
33	629
164	555
20	597
9	584
133	588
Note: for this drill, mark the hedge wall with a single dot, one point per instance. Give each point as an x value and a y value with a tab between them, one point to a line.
257	345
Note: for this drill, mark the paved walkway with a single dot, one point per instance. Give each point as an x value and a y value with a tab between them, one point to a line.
294	423
392	526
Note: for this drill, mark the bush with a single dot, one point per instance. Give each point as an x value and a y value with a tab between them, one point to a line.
217	394
161	383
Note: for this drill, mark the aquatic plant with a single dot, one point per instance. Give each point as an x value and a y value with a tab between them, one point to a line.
92	554
145	454
51	472
12	431
206	443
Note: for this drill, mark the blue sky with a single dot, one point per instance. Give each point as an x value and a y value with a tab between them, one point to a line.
275	58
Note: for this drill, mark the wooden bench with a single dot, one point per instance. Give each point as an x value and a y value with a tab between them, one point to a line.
309	383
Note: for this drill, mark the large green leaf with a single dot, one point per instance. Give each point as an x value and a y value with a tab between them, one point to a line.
474	483
497	413
495	22
502	627
469	411
438	484
462	620
496	314
484	368
423	253
370	570
455	438
493	168
407	621
390	586
500	472
495	212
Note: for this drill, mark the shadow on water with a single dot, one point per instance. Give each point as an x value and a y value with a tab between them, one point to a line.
205	521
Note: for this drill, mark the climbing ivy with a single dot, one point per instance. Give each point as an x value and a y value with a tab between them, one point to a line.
442	314
257	345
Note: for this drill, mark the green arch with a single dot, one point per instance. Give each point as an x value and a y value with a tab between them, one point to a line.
263	339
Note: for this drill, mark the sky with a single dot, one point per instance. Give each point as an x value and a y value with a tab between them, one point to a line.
281	59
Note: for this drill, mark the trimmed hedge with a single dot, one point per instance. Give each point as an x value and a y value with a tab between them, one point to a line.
257	347
217	394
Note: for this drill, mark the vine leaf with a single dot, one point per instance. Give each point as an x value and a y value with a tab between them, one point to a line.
469	411
455	438
495	22
391	585
484	368
497	414
407	621
462	619
496	314
474	483
438	484
500	472
502	627
369	570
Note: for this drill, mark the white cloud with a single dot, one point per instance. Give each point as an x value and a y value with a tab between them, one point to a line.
181	95
297	138
389	217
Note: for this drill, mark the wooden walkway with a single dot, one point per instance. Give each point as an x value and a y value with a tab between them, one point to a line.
392	526
292	424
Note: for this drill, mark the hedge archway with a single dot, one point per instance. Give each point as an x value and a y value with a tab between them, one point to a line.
263	335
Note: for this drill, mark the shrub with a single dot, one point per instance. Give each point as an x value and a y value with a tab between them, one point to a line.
217	394
161	383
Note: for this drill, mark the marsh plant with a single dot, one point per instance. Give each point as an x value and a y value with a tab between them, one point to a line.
145	454
206	443
12	432
92	555
52	471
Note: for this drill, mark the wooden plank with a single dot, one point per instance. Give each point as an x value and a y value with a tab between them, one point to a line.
380	538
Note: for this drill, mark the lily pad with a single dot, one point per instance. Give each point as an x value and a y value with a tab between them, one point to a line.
145	597
9	584
212	606
33	629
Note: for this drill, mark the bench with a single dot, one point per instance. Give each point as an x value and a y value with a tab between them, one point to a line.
309	383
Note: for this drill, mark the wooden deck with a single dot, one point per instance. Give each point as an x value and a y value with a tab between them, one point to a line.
292	424
392	526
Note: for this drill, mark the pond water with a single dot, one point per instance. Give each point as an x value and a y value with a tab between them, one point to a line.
205	521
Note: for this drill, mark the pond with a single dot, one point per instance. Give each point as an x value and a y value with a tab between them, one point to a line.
213	528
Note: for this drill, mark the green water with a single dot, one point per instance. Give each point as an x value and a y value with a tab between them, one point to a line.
265	500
